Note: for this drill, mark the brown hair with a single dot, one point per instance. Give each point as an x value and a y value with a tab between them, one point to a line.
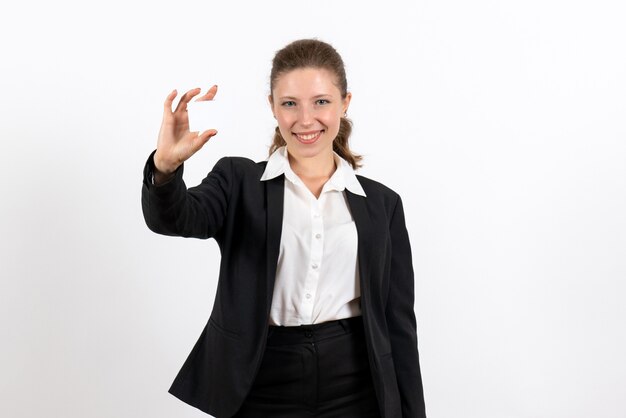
311	53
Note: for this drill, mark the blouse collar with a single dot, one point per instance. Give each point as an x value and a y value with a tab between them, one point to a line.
344	176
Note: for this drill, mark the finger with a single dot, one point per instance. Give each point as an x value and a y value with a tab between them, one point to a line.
203	138
209	95
167	105
185	98
209	133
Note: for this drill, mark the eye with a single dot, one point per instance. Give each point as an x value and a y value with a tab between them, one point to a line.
322	102
289	103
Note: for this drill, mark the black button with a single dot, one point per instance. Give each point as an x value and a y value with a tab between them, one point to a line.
308	333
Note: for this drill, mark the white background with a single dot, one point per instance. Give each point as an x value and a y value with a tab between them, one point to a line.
500	123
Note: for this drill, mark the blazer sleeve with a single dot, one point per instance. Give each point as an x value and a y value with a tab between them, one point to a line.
401	318
198	212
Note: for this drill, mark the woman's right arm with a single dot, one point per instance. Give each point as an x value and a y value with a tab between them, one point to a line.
168	207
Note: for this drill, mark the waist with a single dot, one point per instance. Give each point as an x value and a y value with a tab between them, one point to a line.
278	335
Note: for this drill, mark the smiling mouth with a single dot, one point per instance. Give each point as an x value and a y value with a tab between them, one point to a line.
308	138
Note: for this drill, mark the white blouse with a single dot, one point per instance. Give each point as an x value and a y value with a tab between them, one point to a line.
317	277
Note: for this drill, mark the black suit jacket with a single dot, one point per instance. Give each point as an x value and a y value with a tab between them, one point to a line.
244	215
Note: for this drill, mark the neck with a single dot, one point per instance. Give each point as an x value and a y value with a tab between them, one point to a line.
320	166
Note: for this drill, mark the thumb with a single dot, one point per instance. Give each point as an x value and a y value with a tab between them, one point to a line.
203	138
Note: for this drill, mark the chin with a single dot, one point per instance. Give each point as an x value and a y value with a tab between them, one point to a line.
309	150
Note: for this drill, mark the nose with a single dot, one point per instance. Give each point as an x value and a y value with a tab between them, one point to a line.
306	116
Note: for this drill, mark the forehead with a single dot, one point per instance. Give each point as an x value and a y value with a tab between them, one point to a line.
305	82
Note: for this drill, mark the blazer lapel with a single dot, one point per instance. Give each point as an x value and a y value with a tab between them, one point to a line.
275	191
366	234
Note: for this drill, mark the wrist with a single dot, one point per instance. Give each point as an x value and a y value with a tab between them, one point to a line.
161	172
163	168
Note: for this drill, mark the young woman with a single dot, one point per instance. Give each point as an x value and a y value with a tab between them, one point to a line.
313	315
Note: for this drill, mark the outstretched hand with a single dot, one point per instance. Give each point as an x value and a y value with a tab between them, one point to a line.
176	143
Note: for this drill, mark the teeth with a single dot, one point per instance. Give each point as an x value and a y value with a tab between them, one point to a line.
306	137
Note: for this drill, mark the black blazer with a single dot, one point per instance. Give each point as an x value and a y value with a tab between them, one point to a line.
244	215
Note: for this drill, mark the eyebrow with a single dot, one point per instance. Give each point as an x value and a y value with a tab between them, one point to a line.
314	97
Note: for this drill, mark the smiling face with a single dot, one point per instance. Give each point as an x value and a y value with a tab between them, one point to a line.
308	107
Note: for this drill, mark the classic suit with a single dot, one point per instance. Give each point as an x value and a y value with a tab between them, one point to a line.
244	215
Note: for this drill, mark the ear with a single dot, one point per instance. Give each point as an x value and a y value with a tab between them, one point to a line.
346	102
270	99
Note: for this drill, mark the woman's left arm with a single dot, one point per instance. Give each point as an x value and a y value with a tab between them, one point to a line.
401	321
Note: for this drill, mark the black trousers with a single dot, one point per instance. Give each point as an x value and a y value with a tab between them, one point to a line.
318	370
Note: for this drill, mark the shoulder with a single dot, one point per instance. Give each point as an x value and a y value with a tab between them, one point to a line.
241	166
377	190
382	198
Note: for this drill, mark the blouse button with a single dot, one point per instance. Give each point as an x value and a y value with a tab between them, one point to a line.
314	266
318	236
